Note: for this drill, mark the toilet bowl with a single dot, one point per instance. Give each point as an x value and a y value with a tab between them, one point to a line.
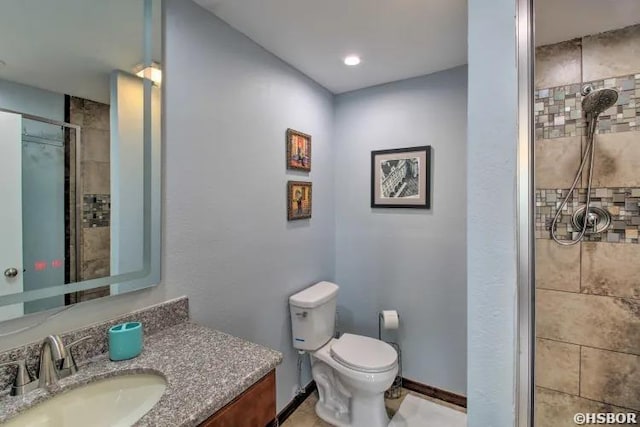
352	374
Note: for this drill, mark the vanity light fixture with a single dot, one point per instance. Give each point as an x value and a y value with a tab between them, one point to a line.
352	60
153	73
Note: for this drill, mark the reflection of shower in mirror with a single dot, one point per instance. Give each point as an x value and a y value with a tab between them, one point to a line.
81	219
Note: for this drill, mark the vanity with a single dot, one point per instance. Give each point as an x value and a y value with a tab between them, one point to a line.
254	407
210	378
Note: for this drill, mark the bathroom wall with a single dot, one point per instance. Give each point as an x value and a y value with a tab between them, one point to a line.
588	296
406	259
31	100
127	183
491	218
228	244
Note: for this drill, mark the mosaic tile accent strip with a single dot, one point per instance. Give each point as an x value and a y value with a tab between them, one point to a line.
622	203
96	210
558	110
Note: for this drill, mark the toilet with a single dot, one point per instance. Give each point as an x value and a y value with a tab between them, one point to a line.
352	372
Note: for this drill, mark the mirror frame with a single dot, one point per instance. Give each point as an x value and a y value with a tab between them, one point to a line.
152	202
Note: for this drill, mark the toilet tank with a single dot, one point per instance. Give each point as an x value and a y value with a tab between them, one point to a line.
313	315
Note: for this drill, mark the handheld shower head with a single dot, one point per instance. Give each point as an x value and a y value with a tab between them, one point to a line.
598	100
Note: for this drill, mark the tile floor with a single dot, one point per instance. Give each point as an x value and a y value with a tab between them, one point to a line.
305	415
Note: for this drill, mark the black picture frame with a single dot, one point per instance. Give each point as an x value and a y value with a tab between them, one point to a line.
401	178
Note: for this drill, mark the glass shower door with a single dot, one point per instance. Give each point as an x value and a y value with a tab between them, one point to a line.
43	211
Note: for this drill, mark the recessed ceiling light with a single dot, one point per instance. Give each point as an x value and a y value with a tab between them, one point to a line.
352	60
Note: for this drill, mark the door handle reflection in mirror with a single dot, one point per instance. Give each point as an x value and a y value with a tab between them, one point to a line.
11	272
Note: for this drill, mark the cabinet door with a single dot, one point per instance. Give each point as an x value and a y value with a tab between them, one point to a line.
256	407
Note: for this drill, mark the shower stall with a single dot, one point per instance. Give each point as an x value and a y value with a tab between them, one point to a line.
585	363
51	227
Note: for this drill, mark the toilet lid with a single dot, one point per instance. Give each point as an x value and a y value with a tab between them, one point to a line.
363	353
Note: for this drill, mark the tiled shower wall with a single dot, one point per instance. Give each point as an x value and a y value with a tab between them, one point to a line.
588	295
95	253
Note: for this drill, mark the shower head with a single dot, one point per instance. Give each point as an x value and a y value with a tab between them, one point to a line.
598	100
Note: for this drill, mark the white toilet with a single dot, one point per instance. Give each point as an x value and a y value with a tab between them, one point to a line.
352	372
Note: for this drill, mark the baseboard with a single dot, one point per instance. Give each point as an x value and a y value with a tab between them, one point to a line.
436	393
293	405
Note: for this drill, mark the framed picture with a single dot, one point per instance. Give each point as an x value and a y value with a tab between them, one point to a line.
298	150
400	178
298	200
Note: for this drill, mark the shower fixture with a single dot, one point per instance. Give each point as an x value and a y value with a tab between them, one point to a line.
597	101
586	218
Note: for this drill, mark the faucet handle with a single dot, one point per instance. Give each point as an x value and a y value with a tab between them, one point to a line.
23	382
69	365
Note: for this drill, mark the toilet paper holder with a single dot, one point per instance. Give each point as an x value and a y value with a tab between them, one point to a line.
380	320
395	391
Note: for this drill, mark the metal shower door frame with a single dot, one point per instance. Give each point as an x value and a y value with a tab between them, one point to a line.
78	198
525	366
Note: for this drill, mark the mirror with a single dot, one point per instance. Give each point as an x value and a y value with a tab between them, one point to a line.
80	120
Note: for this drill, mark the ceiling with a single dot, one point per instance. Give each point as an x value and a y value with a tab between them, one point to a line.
560	20
71	46
396	39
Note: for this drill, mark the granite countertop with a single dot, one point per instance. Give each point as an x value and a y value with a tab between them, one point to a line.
205	369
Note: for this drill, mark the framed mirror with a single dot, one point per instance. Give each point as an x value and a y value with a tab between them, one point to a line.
80	139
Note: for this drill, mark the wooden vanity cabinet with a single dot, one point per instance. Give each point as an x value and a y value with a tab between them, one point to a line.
256	407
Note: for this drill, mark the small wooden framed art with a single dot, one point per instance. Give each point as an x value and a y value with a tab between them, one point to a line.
298	200
298	150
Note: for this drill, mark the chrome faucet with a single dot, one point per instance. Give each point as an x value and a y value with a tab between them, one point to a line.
56	362
52	355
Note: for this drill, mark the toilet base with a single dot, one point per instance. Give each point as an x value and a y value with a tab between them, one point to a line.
369	411
330	416
366	411
349	398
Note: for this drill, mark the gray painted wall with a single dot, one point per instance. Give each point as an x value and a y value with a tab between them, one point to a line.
127	178
32	100
491	202
229	245
406	259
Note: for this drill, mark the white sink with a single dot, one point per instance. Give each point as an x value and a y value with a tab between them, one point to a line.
117	401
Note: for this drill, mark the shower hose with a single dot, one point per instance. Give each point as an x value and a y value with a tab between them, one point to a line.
590	154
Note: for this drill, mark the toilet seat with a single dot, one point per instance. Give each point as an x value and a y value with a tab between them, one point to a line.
364	354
